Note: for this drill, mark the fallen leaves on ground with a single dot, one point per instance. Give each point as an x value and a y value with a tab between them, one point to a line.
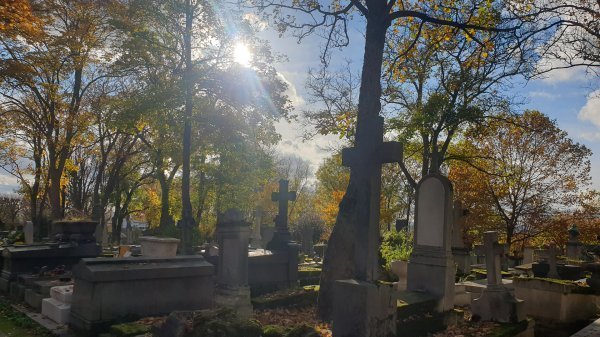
287	316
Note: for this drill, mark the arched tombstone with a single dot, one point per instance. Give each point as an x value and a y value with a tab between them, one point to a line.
431	267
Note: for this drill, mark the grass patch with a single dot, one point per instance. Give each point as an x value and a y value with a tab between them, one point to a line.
17	324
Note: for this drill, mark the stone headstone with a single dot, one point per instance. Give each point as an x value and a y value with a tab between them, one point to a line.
255	237
282	236
528	256
550	256
232	290
307	233
401	224
574	246
28	231
431	267
460	251
496	302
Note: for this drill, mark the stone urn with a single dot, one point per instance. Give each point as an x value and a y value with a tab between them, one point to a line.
540	269
158	247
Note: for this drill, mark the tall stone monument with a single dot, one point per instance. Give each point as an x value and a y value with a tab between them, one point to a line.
232	290
431	267
496	302
361	307
282	236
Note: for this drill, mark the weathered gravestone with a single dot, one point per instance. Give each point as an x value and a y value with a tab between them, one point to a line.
232	289
496	302
307	233
361	307
460	251
550	256
431	267
574	246
28	231
528	255
282	236
255	238
401	224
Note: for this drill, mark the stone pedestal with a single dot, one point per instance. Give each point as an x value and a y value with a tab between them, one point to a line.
232	289
363	309
28	231
431	266
499	305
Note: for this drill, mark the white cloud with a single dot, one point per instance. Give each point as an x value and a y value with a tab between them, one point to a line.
543	94
591	110
295	98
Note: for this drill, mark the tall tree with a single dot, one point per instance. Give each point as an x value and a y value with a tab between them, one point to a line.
47	79
525	169
378	15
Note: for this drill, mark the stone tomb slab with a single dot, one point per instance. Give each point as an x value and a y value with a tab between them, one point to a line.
56	310
157	285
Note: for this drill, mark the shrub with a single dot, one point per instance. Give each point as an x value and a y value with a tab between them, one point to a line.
396	245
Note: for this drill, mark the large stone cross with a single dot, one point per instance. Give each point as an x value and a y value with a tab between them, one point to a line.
493	254
283	197
368	156
282	234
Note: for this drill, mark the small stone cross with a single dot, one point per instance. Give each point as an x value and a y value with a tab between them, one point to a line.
283	196
493	253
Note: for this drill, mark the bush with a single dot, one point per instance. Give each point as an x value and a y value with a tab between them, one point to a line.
396	246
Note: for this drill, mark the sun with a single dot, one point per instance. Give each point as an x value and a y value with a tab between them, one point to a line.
242	55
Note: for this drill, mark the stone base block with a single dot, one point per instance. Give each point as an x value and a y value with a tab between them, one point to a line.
363	309
34	299
498	305
62	293
17	291
56	310
237	299
4	285
432	272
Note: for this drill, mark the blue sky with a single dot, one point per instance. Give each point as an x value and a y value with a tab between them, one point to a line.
566	95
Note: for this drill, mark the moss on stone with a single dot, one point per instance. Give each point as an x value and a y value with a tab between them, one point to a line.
302	331
273	331
129	329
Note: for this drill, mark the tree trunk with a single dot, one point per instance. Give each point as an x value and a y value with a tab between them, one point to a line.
357	204
166	219
187	218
